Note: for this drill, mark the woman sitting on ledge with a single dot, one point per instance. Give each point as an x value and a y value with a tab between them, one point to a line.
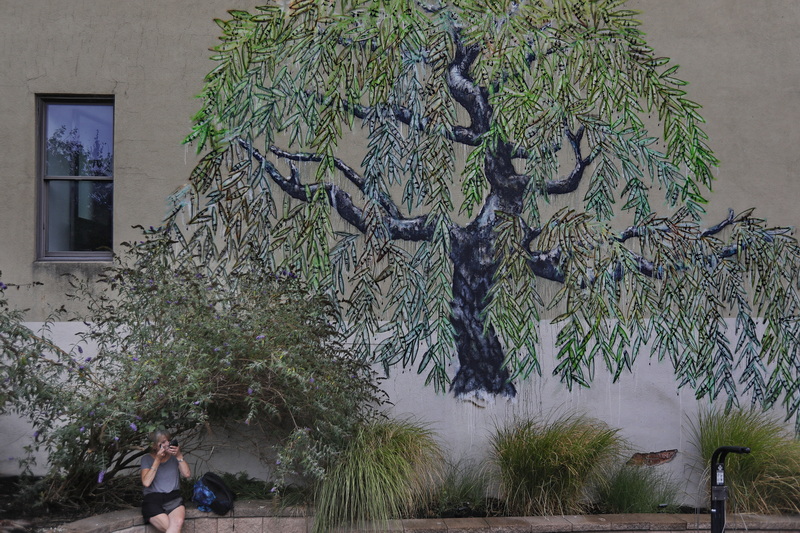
162	505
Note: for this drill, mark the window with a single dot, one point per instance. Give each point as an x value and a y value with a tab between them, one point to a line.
76	147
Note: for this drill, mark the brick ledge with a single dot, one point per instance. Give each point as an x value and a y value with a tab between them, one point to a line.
262	516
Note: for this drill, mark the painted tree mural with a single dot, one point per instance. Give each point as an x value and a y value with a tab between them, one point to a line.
435	165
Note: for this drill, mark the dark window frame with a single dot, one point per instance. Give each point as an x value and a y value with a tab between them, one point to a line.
42	103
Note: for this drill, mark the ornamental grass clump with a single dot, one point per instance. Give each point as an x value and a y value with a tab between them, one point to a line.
460	492
546	468
637	489
385	473
767	480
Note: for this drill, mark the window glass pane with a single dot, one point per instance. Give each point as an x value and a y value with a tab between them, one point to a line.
79	139
79	215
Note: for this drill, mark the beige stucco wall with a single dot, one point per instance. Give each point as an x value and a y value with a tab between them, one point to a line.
152	56
740	57
742	60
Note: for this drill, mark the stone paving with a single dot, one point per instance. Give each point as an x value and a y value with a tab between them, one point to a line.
262	517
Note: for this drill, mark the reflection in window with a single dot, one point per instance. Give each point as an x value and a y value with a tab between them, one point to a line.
79	215
77	173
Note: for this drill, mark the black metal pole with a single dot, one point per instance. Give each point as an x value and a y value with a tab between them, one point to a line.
719	491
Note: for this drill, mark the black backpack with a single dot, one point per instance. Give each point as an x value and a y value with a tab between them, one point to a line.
212	494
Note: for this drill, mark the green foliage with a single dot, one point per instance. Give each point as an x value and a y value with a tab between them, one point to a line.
570	92
547	468
637	489
168	344
767	480
384	473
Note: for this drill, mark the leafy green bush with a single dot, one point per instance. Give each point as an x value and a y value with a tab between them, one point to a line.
545	468
637	489
170	342
385	472
767	480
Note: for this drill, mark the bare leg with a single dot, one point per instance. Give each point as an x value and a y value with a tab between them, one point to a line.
176	518
160	522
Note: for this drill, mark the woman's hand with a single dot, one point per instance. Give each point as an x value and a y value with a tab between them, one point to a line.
162	453
175	450
183	466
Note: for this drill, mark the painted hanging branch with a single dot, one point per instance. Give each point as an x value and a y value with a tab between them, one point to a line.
515	104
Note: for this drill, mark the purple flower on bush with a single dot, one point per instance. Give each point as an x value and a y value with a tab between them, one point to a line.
311	380
133	426
101	476
82	429
259	337
3	286
80	350
249	391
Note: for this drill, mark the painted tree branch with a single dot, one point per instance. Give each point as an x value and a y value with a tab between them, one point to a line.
459	134
570	183
473	98
545	263
352	176
414	229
